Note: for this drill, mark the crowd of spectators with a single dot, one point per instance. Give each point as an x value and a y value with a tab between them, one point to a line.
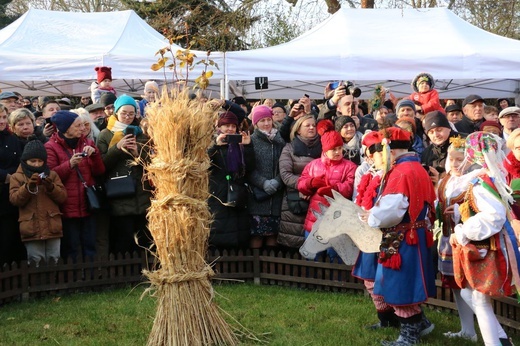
281	160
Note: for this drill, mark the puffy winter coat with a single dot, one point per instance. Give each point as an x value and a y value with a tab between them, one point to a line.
230	226
292	163
40	216
58	157
117	164
338	174
429	101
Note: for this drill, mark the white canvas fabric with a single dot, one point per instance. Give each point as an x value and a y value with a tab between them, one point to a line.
54	53
385	46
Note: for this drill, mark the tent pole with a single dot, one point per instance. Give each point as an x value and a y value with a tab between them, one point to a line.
225	93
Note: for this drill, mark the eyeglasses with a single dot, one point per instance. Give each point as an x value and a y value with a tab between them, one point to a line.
109	107
127	114
512	116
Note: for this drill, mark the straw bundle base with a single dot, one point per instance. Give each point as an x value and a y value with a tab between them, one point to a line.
186	313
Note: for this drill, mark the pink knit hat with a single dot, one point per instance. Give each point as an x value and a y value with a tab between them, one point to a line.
261	112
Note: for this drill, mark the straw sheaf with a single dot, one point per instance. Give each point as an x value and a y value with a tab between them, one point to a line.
179	220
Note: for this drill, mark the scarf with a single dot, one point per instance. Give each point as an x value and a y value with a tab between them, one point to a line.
307	146
270	135
72	143
30	170
512	165
235	159
117	128
352	147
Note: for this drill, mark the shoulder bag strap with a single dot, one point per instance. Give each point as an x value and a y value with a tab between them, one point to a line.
75	168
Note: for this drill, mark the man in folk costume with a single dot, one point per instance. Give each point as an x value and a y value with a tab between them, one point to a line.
367	190
485	248
404	213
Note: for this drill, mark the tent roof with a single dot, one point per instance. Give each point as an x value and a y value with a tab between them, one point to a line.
50	52
385	46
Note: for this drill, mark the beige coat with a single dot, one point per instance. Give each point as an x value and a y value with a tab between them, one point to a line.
40	216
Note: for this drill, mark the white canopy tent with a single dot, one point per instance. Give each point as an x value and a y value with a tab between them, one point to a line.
388	47
54	53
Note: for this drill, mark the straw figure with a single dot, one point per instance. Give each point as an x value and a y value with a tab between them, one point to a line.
179	221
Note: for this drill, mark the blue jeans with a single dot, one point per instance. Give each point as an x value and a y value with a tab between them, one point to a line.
79	232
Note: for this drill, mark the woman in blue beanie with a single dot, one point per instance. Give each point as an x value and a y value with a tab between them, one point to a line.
75	159
122	144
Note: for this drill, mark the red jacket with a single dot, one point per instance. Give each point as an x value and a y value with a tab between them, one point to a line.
429	101
58	158
338	174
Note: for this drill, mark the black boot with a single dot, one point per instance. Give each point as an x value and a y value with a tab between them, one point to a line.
387	319
409	332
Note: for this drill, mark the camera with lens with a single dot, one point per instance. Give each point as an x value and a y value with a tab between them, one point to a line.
350	89
83	154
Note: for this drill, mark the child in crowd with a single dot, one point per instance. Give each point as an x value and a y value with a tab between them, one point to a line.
485	249
103	84
425	97
450	194
491	113
150	94
37	192
330	172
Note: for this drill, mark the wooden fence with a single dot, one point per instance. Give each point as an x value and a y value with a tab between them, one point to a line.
23	281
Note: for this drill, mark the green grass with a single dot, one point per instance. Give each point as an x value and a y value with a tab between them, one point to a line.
277	315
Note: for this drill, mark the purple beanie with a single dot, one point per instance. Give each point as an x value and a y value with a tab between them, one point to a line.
261	112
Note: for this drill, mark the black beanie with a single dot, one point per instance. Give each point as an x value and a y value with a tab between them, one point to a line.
107	99
34	149
435	119
279	105
341	121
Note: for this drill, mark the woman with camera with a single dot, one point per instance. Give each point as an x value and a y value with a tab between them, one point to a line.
123	146
77	161
231	158
304	147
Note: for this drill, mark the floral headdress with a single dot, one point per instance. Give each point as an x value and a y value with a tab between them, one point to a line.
485	149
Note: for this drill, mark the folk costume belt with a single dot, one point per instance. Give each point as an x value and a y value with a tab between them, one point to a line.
392	237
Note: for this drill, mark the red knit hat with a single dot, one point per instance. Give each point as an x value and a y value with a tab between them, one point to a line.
227	118
103	72
330	139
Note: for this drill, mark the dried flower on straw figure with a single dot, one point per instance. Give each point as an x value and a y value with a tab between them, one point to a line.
179	220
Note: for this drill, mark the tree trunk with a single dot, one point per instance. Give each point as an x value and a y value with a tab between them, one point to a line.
367	3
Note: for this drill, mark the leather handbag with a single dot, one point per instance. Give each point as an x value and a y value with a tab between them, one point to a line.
296	205
94	198
236	195
95	195
120	186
